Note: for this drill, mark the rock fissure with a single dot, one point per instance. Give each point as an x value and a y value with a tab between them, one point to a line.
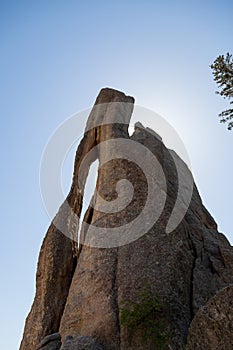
192	272
115	299
192	283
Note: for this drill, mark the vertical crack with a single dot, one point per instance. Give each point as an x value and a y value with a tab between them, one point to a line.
192	281
87	219
191	286
74	264
115	297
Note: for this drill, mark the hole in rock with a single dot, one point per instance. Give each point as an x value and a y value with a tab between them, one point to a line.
89	190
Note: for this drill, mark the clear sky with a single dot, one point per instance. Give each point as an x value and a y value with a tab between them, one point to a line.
55	57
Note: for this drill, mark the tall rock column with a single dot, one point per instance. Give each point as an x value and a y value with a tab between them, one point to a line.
81	289
93	293
60	251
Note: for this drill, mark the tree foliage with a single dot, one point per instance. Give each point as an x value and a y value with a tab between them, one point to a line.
222	70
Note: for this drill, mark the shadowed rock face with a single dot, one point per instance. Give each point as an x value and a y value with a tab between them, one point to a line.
81	290
212	326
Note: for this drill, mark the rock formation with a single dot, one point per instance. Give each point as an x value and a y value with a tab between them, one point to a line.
212	326
82	290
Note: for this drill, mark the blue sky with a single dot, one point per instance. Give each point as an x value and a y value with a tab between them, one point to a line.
55	57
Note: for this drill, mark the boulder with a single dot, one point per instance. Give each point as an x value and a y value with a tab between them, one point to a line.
50	342
80	343
212	326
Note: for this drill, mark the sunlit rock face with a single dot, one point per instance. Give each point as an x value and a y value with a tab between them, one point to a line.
83	283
